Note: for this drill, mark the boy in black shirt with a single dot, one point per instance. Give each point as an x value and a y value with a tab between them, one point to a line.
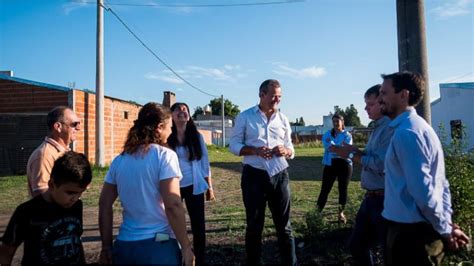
50	225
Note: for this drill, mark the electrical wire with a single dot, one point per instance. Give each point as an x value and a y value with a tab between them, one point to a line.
109	9
199	5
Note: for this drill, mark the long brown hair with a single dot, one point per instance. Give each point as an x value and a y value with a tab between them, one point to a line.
143	131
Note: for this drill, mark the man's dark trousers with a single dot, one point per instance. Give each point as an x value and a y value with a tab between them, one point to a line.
258	188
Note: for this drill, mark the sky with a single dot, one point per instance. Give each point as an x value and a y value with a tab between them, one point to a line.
323	52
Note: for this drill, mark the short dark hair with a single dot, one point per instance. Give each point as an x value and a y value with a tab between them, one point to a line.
56	115
72	167
413	82
374	90
267	84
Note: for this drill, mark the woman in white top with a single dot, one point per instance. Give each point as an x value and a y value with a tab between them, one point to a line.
194	163
335	166
145	176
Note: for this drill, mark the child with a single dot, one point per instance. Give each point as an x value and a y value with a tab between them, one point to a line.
50	224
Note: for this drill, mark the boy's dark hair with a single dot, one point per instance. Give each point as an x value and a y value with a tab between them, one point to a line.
72	167
374	90
413	82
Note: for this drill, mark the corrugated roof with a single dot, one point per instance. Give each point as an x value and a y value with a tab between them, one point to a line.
34	83
460	85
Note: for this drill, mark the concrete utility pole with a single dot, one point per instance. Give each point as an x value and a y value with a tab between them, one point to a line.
412	55
223	120
99	91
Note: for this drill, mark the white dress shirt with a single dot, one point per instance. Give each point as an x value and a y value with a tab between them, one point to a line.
252	128
416	188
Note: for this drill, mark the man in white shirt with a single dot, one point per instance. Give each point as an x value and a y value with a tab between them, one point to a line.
63	125
417	201
262	134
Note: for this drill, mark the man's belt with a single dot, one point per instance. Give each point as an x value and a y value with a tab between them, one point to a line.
374	193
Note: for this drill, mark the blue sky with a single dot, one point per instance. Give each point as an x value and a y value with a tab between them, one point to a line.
324	52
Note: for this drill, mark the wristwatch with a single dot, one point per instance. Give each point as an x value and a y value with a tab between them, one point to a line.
351	155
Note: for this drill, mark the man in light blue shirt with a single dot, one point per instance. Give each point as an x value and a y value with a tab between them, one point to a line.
262	134
417	198
370	229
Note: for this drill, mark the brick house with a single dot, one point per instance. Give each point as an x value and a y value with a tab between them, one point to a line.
24	105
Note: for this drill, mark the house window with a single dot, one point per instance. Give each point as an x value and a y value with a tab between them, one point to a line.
125	114
456	129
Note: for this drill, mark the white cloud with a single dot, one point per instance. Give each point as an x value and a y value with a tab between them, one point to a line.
69	7
453	8
228	73
308	72
169	78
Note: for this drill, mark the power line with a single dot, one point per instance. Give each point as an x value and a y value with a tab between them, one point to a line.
155	55
200	5
459	77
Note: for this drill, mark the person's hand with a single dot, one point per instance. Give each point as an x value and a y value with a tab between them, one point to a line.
343	150
456	239
210	195
264	152
281	150
105	256
188	256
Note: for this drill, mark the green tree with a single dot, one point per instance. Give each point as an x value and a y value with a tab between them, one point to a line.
197	111
302	123
350	114
231	110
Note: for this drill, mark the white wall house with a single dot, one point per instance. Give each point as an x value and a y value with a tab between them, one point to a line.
455	106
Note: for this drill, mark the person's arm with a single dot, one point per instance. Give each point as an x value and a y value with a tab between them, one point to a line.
286	150
6	254
206	169
170	193
417	153
107	198
39	175
326	140
375	158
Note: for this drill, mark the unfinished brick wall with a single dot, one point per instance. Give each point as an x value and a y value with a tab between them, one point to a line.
118	119
18	97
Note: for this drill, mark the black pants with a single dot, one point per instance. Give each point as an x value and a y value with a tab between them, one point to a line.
413	244
370	230
340	169
195	207
258	188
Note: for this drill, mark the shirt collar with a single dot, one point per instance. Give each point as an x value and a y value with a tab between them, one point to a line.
381	121
401	117
55	144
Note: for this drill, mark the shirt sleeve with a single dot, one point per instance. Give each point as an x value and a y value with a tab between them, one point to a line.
375	159
326	140
348	138
16	229
110	177
169	165
205	166
288	144
237	141
39	173
421	184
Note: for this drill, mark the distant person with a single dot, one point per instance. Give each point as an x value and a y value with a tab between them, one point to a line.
417	198
370	229
262	134
145	176
63	125
194	164
335	166
50	224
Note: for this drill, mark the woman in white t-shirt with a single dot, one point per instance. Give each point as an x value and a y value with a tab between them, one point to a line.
194	163
145	176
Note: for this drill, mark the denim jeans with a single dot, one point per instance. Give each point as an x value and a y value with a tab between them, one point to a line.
258	188
195	207
369	231
147	251
340	169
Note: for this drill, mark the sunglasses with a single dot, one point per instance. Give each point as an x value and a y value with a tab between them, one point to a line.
73	124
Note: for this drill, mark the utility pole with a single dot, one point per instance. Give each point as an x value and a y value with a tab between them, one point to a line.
412	54
99	91
223	124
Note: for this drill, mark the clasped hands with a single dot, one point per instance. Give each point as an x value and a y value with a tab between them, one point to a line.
267	153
